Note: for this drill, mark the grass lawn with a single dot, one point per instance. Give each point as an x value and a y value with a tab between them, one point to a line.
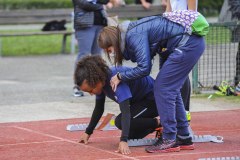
32	45
230	99
218	35
51	44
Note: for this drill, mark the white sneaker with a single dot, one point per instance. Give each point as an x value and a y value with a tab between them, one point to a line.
77	92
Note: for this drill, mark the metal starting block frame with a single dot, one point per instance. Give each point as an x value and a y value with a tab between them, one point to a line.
207	138
195	138
141	142
108	123
77	127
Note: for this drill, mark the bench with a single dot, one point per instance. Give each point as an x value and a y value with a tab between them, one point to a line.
41	16
135	11
21	17
45	15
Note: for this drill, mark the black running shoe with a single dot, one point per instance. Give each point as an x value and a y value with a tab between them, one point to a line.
185	144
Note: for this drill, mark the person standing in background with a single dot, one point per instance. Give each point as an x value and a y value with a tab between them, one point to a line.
145	3
173	5
89	18
115	3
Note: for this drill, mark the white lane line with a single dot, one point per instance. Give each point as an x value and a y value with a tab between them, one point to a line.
14	144
66	140
172	154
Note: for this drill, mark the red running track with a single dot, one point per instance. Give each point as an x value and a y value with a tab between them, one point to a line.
49	140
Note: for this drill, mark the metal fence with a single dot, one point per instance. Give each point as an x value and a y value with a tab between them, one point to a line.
219	61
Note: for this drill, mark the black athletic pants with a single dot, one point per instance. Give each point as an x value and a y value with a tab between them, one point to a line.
142	119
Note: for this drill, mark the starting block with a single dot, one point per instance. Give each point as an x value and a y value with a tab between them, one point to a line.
141	142
77	127
207	138
195	138
108	123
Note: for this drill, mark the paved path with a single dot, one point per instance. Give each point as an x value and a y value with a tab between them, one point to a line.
40	88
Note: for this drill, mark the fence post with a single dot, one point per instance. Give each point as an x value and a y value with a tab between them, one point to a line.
73	35
195	79
237	77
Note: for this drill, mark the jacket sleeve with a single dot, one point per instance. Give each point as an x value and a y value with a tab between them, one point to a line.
96	115
125	119
87	6
139	46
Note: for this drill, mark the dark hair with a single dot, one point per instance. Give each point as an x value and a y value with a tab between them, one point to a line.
92	69
111	36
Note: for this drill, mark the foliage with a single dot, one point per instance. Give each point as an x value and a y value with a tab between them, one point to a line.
215	97
210	7
36	45
34	4
219	35
214	6
46	44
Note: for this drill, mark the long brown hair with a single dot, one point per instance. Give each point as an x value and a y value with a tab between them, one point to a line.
111	36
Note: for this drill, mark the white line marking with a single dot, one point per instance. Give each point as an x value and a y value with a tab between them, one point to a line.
167	155
13	144
66	140
217	130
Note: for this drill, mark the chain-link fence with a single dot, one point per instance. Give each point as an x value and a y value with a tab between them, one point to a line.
221	59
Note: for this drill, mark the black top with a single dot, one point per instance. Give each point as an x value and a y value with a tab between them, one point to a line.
99	19
98	111
139	2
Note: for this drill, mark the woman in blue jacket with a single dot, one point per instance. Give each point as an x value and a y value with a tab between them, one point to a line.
139	42
135	98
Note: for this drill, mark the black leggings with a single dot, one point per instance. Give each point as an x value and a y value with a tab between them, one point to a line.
142	119
186	92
